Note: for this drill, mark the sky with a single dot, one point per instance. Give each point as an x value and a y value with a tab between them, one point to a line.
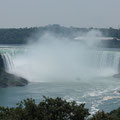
77	13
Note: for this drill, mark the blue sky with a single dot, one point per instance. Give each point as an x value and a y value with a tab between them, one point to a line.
78	13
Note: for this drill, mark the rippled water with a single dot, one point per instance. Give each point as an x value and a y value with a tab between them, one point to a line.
98	93
102	95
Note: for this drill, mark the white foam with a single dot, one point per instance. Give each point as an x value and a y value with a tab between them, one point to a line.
110	97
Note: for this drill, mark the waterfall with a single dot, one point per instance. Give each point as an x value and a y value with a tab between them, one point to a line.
107	59
8	54
8	62
95	61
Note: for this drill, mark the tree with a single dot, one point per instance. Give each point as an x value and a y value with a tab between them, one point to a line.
48	109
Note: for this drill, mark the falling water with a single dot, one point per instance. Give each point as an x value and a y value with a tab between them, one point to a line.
8	62
99	61
108	59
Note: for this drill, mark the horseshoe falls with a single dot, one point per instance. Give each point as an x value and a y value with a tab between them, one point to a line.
75	67
99	60
85	76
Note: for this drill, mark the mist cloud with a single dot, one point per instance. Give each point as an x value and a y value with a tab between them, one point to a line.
58	59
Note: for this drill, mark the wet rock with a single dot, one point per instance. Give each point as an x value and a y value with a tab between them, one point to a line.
7	79
116	75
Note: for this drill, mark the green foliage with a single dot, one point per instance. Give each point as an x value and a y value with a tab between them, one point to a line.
24	35
113	115
53	109
102	116
48	109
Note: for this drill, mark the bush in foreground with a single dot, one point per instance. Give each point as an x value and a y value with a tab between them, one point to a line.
48	109
53	109
113	115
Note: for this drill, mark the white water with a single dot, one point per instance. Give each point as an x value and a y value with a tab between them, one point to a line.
66	63
107	62
8	62
61	61
82	66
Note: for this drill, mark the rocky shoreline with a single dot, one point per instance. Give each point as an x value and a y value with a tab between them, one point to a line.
8	79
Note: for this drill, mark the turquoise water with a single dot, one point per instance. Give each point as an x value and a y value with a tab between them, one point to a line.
98	93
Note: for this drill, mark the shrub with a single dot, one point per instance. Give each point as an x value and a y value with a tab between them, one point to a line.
48	109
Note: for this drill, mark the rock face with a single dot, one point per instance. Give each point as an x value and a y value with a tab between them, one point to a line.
116	75
7	79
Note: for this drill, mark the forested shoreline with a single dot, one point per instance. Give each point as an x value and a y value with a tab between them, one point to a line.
24	35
